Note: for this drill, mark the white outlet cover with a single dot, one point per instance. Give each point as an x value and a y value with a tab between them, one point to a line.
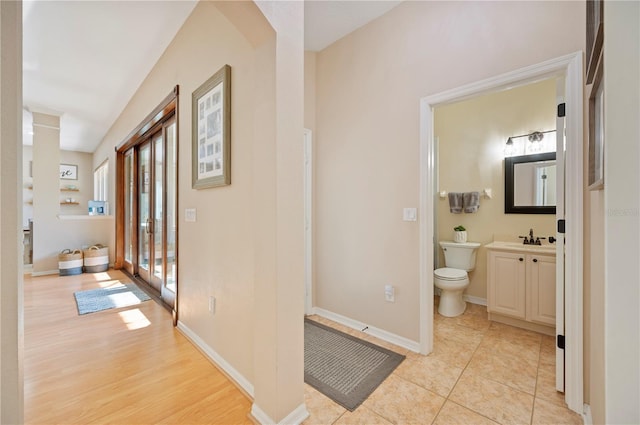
190	215
410	214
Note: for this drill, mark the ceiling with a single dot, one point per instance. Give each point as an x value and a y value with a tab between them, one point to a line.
84	60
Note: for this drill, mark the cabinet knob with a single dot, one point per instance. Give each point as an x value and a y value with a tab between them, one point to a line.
535	260
521	259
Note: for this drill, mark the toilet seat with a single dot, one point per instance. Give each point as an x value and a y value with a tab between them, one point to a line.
449	274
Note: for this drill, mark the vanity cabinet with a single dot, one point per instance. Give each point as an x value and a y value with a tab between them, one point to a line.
521	288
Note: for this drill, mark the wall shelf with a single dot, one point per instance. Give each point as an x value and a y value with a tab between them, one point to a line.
69	203
64	189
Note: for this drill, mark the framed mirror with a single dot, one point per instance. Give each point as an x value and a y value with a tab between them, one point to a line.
530	184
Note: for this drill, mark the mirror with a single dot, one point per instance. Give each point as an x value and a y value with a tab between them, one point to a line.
530	184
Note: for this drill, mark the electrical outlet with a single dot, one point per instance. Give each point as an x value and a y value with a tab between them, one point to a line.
212	304
389	293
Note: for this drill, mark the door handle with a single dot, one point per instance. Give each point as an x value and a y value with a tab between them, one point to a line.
535	260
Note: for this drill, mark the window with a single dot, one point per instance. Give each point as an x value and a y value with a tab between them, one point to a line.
101	182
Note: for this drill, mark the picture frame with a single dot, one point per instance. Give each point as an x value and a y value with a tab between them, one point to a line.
68	172
211	131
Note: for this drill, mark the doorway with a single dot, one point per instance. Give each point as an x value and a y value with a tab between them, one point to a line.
569	67
146	212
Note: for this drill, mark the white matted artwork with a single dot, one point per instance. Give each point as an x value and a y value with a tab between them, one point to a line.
68	172
211	156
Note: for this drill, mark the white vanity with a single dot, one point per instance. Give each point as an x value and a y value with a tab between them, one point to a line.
521	285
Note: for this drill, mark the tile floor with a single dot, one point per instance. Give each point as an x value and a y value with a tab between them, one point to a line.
480	372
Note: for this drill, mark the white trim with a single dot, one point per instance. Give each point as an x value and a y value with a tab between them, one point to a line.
371	330
50	127
571	67
216	358
574	95
586	416
45	273
425	226
308	216
85	217
475	300
296	417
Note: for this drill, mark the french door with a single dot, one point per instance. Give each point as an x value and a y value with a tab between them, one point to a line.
150	209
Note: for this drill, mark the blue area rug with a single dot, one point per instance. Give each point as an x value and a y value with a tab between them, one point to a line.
94	300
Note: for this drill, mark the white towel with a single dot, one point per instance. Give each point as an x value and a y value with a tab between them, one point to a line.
455	202
471	201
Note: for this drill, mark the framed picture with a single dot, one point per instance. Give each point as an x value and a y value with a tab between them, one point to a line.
596	132
68	172
211	131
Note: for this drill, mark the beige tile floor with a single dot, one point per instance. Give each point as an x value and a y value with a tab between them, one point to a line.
480	372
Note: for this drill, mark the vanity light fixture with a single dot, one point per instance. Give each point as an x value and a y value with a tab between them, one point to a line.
534	145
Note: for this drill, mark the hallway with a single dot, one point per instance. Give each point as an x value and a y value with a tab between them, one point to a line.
119	366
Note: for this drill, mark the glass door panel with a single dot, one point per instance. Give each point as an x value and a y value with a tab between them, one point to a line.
144	211
171	169
128	208
158	211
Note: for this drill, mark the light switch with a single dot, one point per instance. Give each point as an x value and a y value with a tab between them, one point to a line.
190	215
410	214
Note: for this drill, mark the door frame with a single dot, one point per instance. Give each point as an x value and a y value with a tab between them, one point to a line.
308	220
570	66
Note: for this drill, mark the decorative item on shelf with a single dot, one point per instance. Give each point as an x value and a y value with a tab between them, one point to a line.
460	234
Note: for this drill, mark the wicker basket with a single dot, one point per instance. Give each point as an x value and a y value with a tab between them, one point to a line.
96	259
70	262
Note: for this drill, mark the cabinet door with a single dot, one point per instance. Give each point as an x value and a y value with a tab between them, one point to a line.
542	281
506	283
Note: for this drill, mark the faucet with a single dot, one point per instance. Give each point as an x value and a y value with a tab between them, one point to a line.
531	240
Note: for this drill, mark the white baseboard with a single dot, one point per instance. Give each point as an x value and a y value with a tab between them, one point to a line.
371	330
296	417
216	358
475	300
45	273
586	415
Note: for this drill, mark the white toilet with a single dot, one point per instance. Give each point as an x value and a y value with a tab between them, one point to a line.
459	258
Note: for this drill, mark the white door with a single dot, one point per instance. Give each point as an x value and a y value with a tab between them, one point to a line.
308	196
560	215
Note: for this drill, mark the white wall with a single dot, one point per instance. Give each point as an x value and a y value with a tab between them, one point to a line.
622	212
367	141
471	140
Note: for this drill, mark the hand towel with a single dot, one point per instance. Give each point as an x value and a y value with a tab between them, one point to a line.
471	201
455	202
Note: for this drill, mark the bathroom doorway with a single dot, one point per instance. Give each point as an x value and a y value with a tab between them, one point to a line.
570	69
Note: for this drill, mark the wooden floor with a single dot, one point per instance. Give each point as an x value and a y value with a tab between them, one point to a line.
120	366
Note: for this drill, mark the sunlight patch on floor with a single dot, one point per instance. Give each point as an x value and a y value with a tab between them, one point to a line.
134	319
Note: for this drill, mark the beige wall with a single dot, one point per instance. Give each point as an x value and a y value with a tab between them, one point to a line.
11	280
368	89
57	227
471	140
216	254
246	246
84	183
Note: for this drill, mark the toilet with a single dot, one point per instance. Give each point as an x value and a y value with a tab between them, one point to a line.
452	280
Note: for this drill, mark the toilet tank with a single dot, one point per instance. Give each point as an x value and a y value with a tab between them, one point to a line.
460	255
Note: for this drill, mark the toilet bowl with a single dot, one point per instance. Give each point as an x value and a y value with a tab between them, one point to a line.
452	283
453	279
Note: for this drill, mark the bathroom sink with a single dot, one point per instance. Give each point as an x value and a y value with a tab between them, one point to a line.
519	246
